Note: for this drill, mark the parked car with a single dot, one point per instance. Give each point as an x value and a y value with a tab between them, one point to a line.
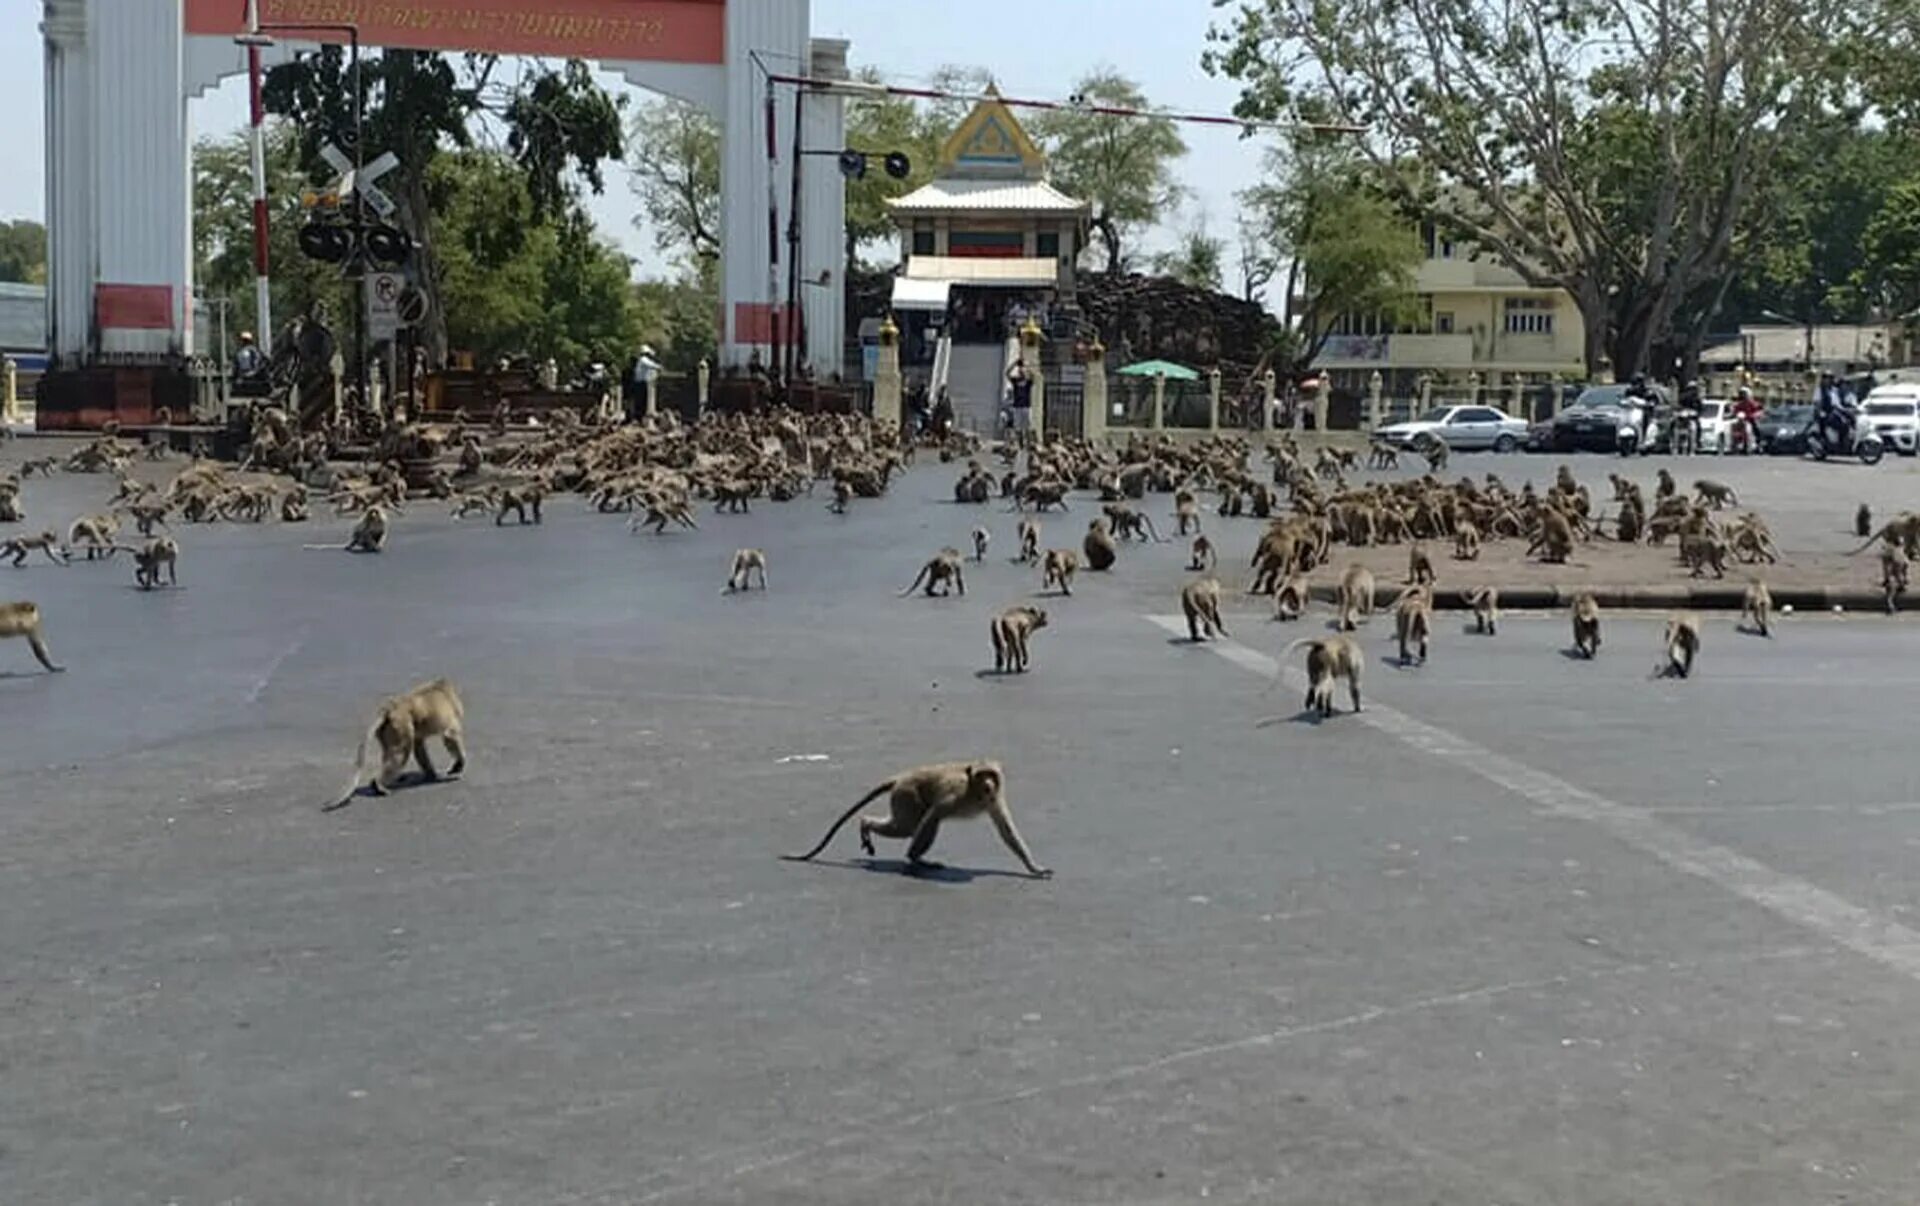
1594	421
1462	427
1894	413
1783	429
1716	424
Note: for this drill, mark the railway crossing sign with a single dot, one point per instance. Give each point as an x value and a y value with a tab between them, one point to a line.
362	181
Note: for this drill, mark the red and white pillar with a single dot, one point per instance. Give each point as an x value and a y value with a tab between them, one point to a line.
257	147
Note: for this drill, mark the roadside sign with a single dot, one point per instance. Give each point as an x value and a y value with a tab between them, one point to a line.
384	290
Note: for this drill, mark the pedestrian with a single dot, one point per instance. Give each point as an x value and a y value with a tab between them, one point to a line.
1020	389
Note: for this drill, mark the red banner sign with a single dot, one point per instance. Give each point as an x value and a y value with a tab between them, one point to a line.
675	31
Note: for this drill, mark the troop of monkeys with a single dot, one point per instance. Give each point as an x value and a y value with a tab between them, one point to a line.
655	470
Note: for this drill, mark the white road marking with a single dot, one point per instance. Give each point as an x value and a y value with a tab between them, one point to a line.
1860	930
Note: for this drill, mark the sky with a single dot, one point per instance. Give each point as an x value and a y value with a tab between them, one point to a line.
1034	49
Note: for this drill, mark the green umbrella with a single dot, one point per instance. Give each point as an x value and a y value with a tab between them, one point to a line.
1154	368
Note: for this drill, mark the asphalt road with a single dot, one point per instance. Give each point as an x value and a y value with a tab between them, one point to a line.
1530	930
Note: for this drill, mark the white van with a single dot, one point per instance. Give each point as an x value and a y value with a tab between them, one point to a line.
1894	412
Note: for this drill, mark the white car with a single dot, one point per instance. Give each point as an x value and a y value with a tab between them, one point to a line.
1461	427
1716	424
1893	411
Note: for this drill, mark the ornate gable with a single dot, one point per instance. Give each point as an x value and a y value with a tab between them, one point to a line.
990	144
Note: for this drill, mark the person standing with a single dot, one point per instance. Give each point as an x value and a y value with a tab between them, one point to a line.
1020	390
644	371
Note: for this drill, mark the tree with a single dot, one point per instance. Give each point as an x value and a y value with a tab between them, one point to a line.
1122	165
1348	249
223	231
880	126
1195	260
559	125
674	167
1889	274
23	251
1610	148
676	317
1258	262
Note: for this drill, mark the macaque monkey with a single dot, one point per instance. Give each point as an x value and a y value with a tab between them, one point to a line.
1201	603
1356	596
1485	602
745	562
1895	568
1010	631
1204	558
148	561
921	800
981	538
942	571
1419	565
1683	645
369	535
1029	542
1413	622
1555	541
402	728
23	619
1586	624
1667	487
1863	521
1186	513
18	547
520	499
96	531
1715	494
1058	570
1128	523
1328	658
1291	597
1701	550
842	495
1903	528
293	506
1757	607
1466	541
1099	547
1436	452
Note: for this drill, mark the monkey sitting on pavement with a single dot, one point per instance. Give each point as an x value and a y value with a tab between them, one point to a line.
369	535
1099	547
1010	631
943	570
1419	565
1863	521
23	619
921	800
402	728
745	562
1201	603
1204	558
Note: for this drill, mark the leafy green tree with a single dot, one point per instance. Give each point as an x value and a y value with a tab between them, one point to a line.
1889	274
223	231
1612	148
23	251
1195	260
881	126
677	317
673	165
1124	166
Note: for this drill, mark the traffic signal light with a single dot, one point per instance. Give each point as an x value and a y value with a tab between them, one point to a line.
326	242
389	246
853	165
898	165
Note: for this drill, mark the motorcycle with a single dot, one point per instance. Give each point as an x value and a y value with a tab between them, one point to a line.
1865	444
1743	438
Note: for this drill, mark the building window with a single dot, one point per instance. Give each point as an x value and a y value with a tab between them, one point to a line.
1046	244
923	242
1446	248
1443	322
1529	316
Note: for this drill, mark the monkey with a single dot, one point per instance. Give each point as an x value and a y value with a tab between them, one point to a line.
1667	487
18	547
1485	602
921	800
1466	541
842	495
1042	494
1564	481
1059	568
1383	456
402	727
520	499
97	531
1631	525
472	504
1009	631
1702	549
1555	541
147	562
942	571
730	495
1356	596
1683	645
745	561
1201	602
1413	621
1130	524
1586	624
1099	547
1419	565
1232	505
1436	452
1290	599
1863	520
981	538
23	619
1328	658
1895	567
1204	558
48	465
1757	606
973	486
369	535
661	511
293	507
1903	528
1029	542
1186	513
1715	493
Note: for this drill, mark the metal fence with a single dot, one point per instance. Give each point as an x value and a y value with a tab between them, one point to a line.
1066	410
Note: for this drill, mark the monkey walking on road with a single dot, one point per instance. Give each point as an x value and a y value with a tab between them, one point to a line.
23	620
745	562
943	570
921	800
1010	631
403	726
1201	603
1683	645
1328	658
1757	608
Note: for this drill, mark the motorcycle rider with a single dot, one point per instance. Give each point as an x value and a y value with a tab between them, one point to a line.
1639	401
1745	433
1686	420
1834	411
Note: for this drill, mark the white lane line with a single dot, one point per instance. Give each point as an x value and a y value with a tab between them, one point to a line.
1860	930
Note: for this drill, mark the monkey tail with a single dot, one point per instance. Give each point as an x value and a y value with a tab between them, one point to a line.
1884	529
335	547
359	771
917	580
1282	667
846	816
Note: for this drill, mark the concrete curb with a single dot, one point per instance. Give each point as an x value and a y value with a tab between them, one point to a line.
1717	596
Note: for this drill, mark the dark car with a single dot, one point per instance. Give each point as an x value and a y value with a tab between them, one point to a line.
1592	423
1782	430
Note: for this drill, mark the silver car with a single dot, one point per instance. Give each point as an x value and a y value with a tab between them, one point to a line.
1461	427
